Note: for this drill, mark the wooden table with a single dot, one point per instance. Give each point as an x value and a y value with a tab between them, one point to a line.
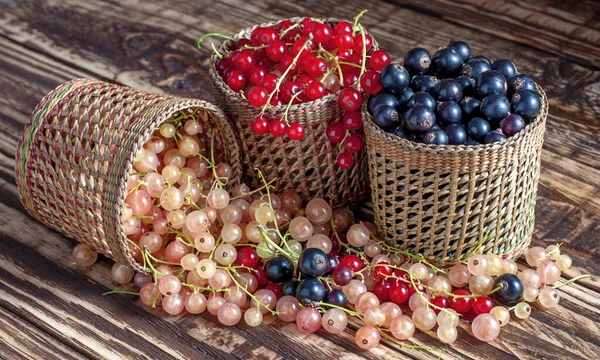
50	309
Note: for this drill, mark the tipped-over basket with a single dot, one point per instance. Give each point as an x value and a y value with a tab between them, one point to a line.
307	166
78	149
444	201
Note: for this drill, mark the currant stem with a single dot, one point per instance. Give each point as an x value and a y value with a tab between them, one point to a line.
213	35
584	276
120	292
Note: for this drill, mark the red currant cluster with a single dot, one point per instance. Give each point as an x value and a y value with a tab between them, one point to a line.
292	63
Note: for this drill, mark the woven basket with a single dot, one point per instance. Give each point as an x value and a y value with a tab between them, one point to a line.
78	149
307	166
444	200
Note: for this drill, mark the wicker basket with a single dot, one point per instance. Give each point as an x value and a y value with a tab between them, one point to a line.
78	149
442	201
307	166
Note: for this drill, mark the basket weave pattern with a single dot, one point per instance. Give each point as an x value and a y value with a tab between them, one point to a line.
78	149
307	166
442	201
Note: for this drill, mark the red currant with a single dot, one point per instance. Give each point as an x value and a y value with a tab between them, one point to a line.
358	43
343	40
382	290
275	288
285	24
382	270
343	54
315	90
258	96
288	90
277	127
241	43
295	131
371	82
255	35
260	126
223	64
345	160
354	142
352	262
316	67
300	45
379	60
413	289
243	60
399	293
247	256
269	82
350	99
483	305
256	74
461	305
307	25
322	33
236	80
260	276
352	120
342	275
275	50
439	301
335	132
402	275
267	35
286	62
342	26
350	79
291	36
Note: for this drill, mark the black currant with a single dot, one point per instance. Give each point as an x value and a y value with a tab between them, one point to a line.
447	62
462	47
400	132
484	58
472	143
448	112
336	297
310	290
404	97
435	137
381	99
448	90
478	128
417	61
415	137
457	135
520	82
420	118
512	124
279	269
313	262
289	287
467	84
394	78
470	108
526	103
423	83
495	107
494	136
490	82
422	98
511	289
474	67
386	117
505	67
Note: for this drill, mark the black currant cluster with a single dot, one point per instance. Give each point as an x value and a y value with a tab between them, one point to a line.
453	98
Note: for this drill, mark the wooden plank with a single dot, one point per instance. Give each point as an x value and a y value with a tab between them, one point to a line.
20	339
553	30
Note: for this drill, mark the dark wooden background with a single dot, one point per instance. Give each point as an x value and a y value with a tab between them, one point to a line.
50	309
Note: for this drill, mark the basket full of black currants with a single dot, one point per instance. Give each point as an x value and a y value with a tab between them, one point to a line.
454	145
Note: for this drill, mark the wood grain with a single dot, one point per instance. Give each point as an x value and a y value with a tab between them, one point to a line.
151	45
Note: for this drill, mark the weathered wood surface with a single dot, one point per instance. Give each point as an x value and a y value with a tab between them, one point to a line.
50	309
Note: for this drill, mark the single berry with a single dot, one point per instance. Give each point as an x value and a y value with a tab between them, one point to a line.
315	90
399	293
247	256
336	297
310	290
484	58
462	48
269	82
495	107
316	67
400	132
422	98
352	262
470	108
312	262
494	136
350	99
352	120
386	117
417	61
289	287
511	289
342	26
322	33
467	84
448	90
382	99
478	128
276	50
404	97
423	83
288	90
236	80
457	135
256	75
512	124
505	67
260	126
526	103
354	142
382	270
448	112
483	305
350	78
382	290
358	45
379	60
394	78
435	137
267	35
277	127
345	160
295	131
258	96
474	67
461	304
333	261
520	82
420	118
335	132
279	269
342	275
447	62
343	40
371	82
243	60
440	302
490	82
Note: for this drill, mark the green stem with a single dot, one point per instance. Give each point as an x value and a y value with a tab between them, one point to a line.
572	280
214	35
120	292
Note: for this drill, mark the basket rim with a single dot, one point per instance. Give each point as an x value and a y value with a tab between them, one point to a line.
245	33
538	122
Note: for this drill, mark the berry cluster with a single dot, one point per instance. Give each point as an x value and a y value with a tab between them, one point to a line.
453	98
241	253
291	63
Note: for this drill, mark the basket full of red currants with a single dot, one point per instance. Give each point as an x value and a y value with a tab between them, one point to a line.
454	145
292	90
